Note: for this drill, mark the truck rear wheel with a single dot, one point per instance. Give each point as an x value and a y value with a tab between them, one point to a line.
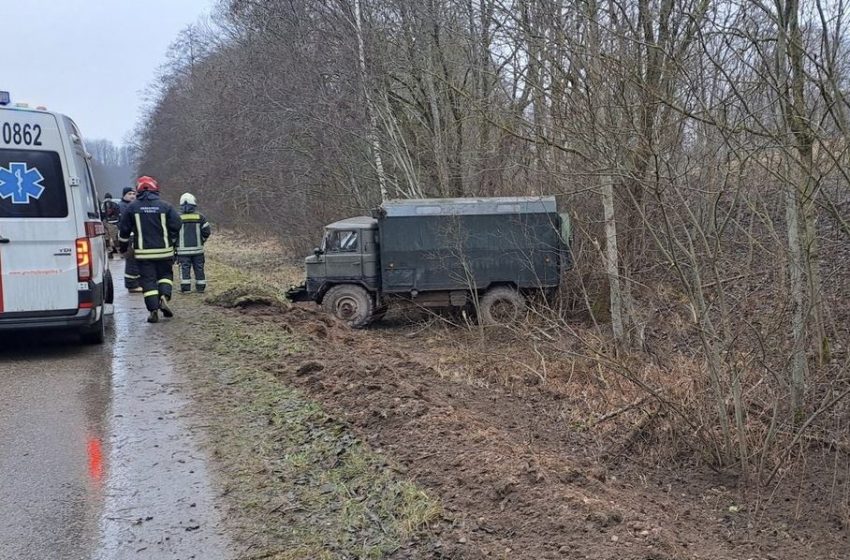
350	303
501	306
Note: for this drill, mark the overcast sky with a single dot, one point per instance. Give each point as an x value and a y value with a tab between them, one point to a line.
90	59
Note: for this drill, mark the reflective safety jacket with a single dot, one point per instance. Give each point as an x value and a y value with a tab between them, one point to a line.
193	234
155	225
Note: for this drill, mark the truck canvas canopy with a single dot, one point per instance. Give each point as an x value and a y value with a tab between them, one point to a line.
472	243
441	252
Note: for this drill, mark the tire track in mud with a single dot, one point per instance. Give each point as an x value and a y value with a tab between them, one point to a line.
514	480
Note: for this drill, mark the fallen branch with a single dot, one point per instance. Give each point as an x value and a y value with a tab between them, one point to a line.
727	280
614	413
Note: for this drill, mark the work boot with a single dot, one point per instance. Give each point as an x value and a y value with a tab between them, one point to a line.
163	305
153	317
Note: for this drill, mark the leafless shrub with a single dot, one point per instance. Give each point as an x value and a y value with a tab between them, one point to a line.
702	149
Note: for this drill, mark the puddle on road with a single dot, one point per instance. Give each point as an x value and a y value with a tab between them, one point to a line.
159	502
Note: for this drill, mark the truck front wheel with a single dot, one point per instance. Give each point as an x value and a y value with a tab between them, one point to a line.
350	303
501	306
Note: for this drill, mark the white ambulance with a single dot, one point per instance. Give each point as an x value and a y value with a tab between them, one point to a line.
53	266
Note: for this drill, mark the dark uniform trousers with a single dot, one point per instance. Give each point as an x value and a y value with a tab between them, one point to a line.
132	275
188	264
157	280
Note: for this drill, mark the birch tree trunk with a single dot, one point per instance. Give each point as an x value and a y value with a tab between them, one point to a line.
601	122
370	109
612	261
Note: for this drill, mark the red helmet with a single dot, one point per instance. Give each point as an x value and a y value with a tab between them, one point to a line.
146	184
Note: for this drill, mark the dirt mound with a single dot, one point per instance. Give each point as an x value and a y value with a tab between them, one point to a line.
306	320
515	479
244	296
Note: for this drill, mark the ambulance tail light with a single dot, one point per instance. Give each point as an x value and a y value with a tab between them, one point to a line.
84	268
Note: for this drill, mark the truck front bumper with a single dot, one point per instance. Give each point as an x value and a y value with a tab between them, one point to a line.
298	293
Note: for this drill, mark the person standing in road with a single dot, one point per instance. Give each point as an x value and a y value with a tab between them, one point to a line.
190	247
110	213
131	267
156	227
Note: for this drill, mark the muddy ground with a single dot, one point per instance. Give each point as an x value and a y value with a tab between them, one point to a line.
515	480
494	442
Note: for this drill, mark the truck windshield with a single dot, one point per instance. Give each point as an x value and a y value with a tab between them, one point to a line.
341	241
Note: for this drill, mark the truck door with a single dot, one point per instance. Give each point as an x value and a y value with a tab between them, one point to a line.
343	257
38	231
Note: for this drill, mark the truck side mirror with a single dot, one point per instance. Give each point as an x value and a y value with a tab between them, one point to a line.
318	252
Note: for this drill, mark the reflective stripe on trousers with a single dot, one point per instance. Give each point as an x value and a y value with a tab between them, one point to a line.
189	264
131	271
157	278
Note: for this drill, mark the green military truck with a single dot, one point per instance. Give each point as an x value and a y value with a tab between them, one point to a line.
487	253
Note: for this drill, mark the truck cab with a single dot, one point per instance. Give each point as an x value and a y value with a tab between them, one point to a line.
348	255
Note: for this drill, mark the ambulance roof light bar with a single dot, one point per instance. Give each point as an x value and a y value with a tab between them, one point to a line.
5	99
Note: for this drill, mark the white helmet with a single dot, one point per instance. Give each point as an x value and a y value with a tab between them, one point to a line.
188	198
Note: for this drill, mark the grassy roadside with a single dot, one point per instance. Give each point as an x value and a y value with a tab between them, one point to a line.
298	485
514	476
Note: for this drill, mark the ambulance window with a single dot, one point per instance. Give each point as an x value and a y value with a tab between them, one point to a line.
89	193
32	185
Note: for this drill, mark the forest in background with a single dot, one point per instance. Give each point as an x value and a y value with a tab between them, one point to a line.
700	146
113	166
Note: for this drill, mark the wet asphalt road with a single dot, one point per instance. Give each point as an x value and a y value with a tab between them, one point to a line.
99	455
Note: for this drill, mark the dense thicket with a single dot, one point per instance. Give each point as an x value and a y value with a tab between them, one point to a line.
700	145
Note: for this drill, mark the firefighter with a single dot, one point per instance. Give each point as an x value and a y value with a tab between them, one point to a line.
190	248
156	226
131	267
